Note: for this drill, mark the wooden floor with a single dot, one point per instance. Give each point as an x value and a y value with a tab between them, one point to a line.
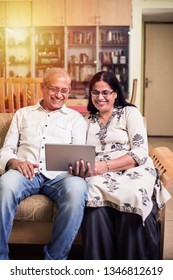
160	142
35	252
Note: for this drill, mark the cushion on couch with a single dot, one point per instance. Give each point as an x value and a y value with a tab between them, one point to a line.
37	207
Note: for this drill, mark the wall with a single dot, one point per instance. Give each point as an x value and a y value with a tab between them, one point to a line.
140	7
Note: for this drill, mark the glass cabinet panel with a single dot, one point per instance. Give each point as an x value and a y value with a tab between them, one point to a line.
49	49
113	52
18	52
81	57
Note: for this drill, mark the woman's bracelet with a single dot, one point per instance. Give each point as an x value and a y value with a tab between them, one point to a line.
108	165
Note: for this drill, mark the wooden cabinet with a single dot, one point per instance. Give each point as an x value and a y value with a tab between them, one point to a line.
98	12
81	57
48	13
18	13
65	33
91	49
2	14
79	12
49	48
115	12
81	50
2	52
113	52
18	52
65	12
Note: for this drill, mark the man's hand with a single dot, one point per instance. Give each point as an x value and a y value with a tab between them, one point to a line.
24	167
81	169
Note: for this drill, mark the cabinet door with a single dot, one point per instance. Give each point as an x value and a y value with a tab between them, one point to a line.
18	13
49	48
80	12
115	12
113	52
48	13
18	52
2	13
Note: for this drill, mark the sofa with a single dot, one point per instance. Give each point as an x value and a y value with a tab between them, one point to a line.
35	215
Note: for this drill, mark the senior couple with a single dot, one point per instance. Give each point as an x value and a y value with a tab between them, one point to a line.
116	203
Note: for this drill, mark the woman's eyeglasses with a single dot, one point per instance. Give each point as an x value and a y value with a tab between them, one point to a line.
104	92
56	89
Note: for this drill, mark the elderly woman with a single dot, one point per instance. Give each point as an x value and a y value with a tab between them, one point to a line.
124	191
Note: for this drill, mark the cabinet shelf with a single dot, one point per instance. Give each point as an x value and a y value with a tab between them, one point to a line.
115	64
114	46
49	48
18	46
18	63
59	64
81	50
47	56
83	64
82	45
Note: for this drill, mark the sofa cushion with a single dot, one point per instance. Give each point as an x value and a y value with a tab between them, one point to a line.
5	120
36	208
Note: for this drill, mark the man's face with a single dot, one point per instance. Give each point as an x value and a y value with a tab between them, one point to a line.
55	92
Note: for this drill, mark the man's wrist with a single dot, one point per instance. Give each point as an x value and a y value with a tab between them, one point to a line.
11	164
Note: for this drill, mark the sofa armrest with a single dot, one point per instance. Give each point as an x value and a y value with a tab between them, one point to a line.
163	160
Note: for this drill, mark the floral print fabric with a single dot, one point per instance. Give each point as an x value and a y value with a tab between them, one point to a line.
129	190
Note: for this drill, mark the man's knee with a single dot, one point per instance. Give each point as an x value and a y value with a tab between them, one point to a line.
75	190
10	182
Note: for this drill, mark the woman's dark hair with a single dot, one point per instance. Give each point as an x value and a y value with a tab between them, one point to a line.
109	78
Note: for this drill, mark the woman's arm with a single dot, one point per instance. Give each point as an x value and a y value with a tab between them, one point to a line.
119	164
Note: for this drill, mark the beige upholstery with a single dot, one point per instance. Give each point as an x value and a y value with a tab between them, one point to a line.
163	161
34	217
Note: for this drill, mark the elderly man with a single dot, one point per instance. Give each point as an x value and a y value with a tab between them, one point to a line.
23	160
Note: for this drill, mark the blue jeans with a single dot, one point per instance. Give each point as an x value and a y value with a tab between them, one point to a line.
68	192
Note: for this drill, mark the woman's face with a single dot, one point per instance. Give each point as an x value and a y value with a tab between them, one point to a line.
103	97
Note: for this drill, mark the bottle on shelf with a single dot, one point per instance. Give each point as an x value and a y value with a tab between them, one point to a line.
114	57
122	57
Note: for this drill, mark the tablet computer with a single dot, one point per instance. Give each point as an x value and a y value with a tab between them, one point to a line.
60	156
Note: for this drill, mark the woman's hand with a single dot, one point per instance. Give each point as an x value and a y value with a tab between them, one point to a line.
100	168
